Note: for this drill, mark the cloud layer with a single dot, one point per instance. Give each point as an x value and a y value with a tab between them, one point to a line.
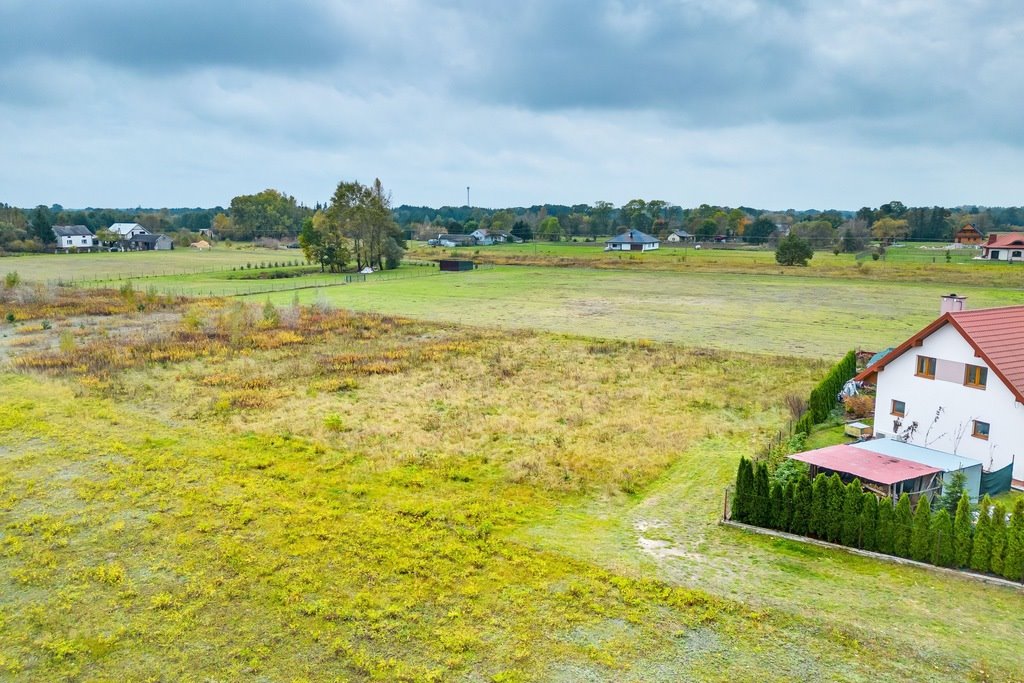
772	103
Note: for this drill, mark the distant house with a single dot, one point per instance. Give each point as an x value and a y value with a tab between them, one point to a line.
968	235
456	240
1006	247
73	237
149	242
957	386
632	240
679	236
483	237
125	231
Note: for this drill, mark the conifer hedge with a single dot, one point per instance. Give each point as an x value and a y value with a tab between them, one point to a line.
829	510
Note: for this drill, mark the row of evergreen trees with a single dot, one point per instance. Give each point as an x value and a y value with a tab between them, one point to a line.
832	511
824	396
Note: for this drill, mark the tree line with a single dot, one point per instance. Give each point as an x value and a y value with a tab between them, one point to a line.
275	215
942	533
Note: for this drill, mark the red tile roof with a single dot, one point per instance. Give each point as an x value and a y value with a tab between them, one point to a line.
1009	239
997	335
869	466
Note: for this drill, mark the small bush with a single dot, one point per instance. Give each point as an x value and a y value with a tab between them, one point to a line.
12	280
859	405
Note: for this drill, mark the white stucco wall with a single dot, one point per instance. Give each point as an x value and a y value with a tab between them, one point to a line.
960	405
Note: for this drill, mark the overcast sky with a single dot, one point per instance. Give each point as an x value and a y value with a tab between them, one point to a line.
766	103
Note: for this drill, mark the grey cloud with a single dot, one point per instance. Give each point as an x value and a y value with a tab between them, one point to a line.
167	36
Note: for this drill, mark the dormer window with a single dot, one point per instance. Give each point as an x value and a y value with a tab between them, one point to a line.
975	376
925	367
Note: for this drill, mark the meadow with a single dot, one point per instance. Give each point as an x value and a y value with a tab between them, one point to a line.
912	262
209	490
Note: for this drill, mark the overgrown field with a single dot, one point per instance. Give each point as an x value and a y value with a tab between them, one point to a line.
209	491
808	316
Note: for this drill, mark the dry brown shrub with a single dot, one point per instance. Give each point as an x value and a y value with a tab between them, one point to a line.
859	406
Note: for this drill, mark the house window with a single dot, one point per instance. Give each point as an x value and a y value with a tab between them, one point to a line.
980	430
975	376
1015	254
899	408
926	367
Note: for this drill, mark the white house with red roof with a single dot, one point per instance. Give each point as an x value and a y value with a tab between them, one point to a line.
1005	247
957	386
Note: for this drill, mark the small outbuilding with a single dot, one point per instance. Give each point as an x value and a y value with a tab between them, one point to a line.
455	265
632	240
149	242
882	474
679	236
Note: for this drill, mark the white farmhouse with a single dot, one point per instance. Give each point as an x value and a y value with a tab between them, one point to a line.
957	386
126	231
73	237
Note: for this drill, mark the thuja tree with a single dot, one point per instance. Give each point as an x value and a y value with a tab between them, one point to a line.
818	521
744	488
801	507
997	561
921	534
852	501
942	539
836	496
962	531
789	505
981	552
883	538
868	521
760	507
777	510
902	527
1013	566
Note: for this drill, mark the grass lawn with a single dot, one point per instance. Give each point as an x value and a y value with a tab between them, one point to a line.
203	490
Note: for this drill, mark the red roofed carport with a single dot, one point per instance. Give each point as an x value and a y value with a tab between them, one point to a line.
882	474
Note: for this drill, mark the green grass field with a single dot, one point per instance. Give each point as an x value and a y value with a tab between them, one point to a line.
127	265
911	261
801	316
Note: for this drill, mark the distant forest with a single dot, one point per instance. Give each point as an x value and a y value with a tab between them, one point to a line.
274	215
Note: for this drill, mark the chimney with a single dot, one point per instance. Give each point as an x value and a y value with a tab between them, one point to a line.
992	237
951	303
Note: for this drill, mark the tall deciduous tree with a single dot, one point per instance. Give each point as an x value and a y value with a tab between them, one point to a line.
322	242
364	216
266	214
793	250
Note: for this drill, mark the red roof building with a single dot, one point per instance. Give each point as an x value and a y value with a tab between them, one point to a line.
1006	247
